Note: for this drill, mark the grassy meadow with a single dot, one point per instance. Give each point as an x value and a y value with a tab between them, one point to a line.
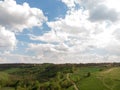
59	77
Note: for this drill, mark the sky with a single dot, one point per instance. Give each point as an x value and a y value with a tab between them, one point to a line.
59	31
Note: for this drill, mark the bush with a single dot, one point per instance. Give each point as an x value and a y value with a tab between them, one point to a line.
88	74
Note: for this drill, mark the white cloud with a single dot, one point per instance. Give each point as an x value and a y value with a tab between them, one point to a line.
47	48
69	3
76	19
99	10
16	58
50	37
15	18
82	40
102	13
7	40
2	60
18	17
58	58
86	34
113	4
46	54
116	33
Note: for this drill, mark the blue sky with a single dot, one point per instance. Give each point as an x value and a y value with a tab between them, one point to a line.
51	8
59	31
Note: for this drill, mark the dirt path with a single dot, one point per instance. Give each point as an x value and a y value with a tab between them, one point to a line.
102	80
68	78
106	85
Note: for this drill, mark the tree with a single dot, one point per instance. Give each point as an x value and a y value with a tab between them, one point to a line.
36	85
88	74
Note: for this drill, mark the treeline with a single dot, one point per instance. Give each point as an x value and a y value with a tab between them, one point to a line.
20	65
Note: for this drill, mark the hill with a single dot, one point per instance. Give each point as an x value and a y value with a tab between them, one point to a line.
59	77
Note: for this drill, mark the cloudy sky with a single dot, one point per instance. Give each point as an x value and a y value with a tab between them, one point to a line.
59	31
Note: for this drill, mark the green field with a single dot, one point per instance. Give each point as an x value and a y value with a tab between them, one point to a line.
59	77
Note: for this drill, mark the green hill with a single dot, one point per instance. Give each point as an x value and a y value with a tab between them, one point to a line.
59	77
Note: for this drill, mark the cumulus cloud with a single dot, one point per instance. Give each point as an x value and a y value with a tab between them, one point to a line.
17	58
69	3
46	48
102	13
15	18
47	55
50	37
18	17
58	58
7	39
76	19
99	10
87	34
116	33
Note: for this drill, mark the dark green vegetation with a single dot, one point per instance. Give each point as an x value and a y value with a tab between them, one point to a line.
60	77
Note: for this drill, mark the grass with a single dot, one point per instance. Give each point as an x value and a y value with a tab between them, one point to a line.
12	70
100	78
110	78
3	76
107	79
7	88
91	83
87	83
